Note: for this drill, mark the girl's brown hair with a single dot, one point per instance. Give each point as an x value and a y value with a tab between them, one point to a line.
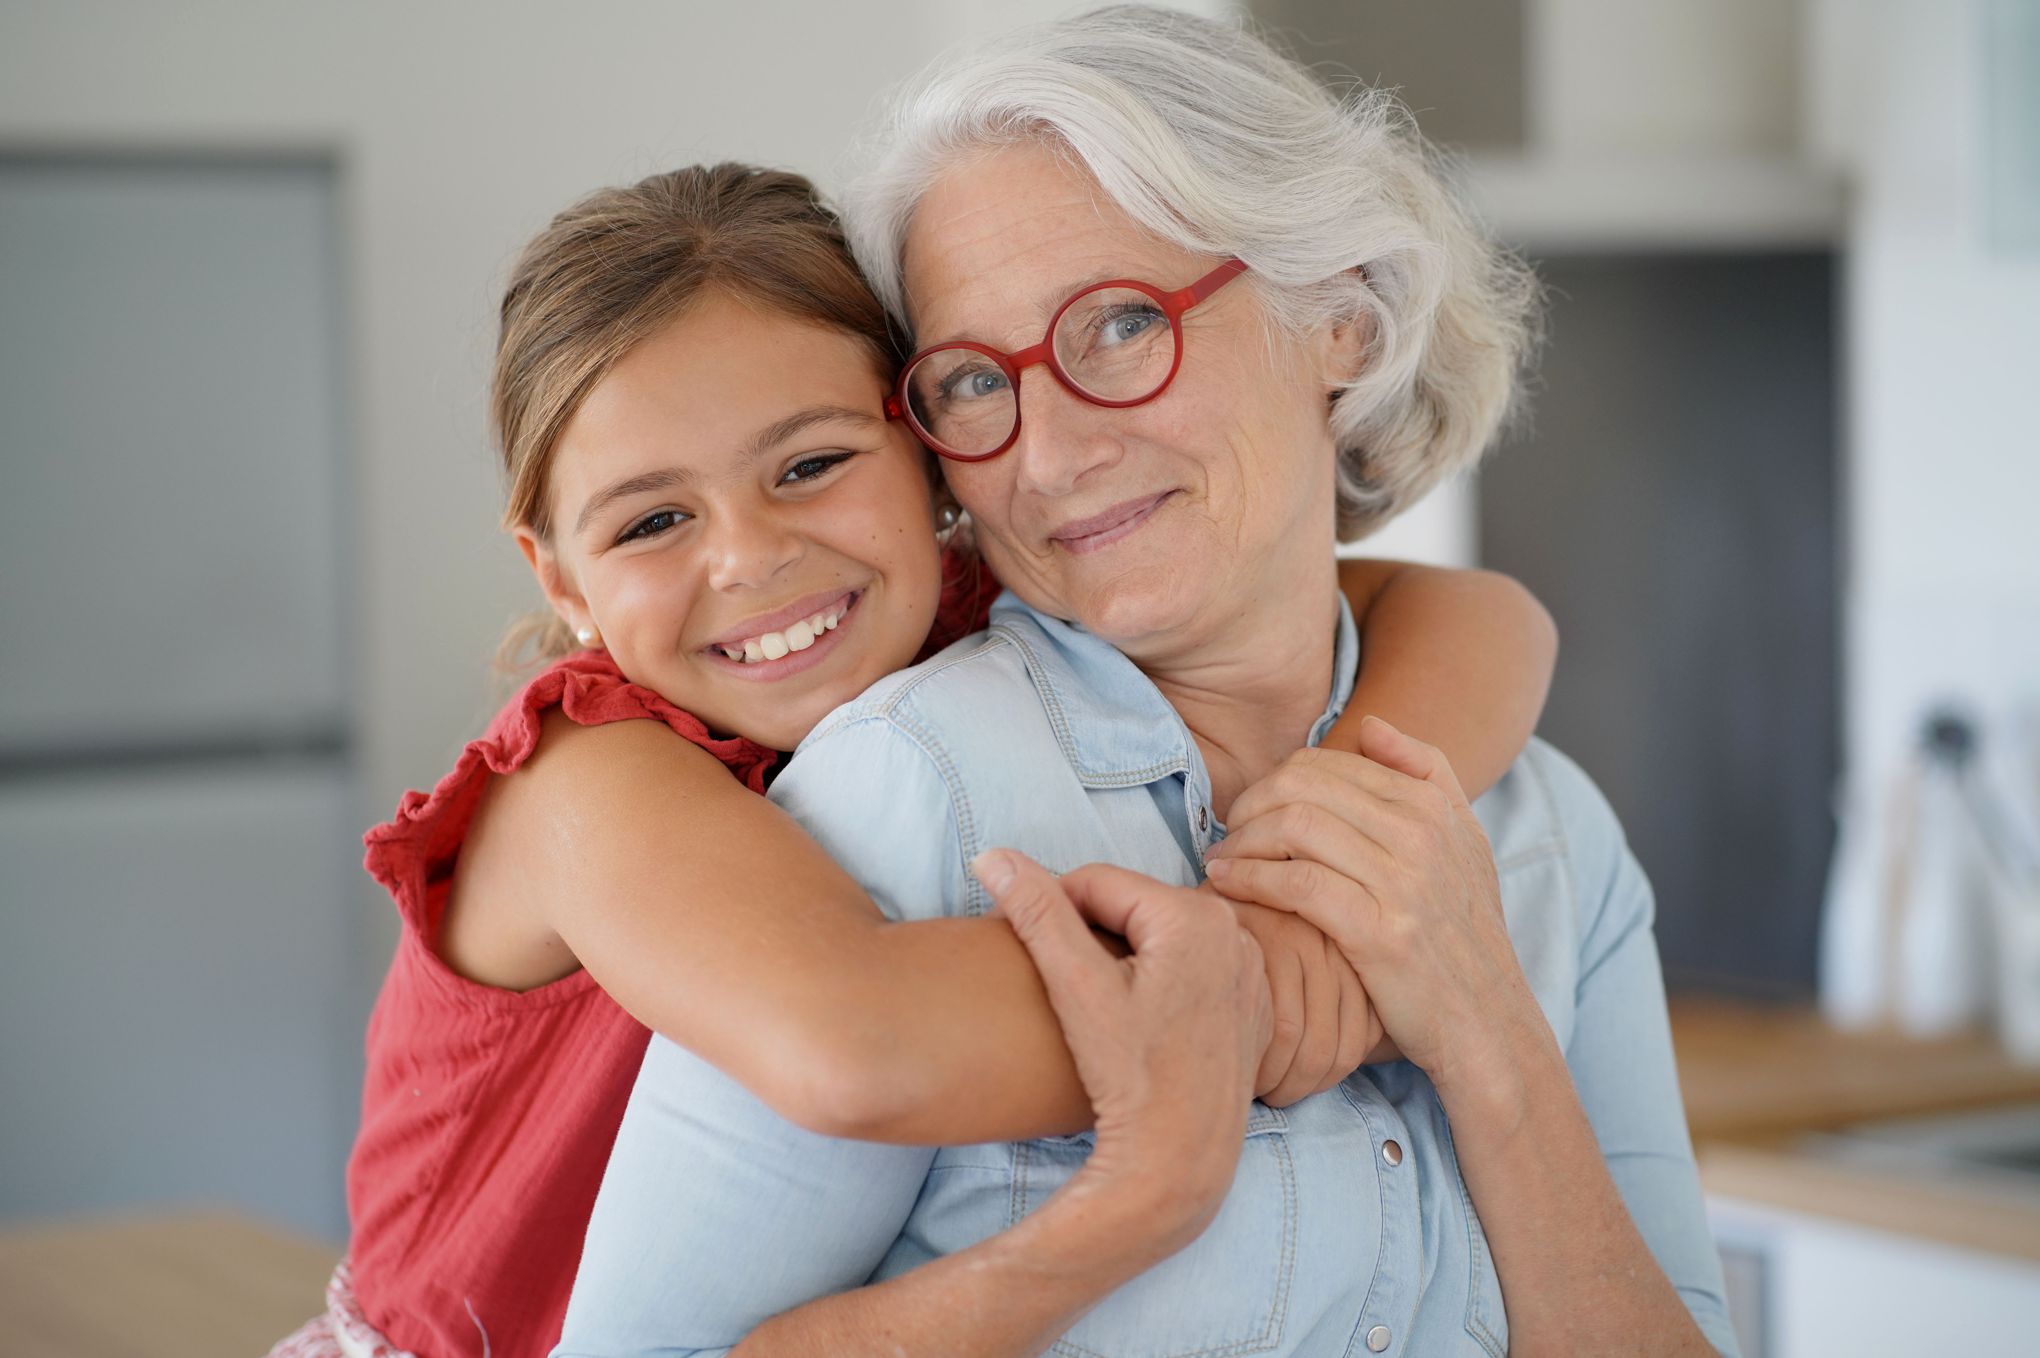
620	264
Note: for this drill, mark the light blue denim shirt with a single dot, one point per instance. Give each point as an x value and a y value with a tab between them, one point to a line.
1348	1229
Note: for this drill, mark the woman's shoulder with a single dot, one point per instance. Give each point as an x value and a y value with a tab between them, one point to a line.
1546	804
1569	884
977	688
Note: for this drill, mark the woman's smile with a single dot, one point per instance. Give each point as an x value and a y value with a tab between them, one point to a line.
1099	531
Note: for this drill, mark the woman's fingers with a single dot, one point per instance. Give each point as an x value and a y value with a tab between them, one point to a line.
1352	786
1077	972
1116	899
1386	745
1308	830
1342	908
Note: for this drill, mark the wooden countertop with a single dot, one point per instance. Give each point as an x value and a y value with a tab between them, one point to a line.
1757	1080
1761	1082
174	1286
1751	1072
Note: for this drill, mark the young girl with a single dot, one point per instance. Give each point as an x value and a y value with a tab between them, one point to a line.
690	395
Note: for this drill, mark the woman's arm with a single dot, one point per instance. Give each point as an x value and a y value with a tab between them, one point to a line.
1167	1041
1459	658
1385	855
719	1225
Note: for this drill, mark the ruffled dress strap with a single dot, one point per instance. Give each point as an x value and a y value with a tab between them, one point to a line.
416	848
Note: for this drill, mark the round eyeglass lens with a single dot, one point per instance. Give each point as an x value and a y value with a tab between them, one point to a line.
963	400
1116	344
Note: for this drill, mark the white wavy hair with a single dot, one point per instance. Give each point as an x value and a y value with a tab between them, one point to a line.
1210	138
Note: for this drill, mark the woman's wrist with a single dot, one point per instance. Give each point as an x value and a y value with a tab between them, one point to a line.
1125	1222
1500	1070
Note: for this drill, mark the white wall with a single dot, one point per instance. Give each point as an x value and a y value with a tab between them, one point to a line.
1943	478
460	128
1662	76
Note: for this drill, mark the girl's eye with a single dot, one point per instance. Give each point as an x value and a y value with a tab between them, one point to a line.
812	468
651	525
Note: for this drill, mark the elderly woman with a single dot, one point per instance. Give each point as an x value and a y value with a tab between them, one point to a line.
1186	319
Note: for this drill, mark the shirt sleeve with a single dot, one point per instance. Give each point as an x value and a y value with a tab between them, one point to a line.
1621	1057
716	1213
874	793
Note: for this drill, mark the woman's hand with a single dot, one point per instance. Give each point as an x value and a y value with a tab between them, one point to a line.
1167	1040
1324	1025
1382	852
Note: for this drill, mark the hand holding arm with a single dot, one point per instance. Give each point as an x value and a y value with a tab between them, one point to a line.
1167	1041
1465	656
1385	855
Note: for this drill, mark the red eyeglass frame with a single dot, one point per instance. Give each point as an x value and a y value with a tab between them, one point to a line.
1173	305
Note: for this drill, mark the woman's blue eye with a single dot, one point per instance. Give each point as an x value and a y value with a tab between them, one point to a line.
653	524
1129	325
812	468
972	384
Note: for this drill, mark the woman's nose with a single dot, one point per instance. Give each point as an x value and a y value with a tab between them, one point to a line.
750	548
1063	440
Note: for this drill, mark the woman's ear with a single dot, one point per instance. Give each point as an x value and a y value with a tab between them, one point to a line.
560	590
1347	346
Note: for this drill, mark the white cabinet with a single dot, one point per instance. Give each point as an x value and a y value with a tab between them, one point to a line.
1804	1286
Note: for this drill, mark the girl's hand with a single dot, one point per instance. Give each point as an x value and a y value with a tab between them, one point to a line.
1324	1025
1382	852
1167	1039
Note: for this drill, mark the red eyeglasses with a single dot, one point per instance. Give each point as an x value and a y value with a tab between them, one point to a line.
1113	344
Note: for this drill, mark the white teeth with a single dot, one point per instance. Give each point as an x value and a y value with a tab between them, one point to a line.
797	637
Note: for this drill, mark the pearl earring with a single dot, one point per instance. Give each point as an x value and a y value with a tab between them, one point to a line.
587	636
946	518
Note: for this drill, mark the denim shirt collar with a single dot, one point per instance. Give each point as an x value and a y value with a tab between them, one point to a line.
1115	727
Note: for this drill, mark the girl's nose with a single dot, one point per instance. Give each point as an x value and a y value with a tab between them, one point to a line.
750	549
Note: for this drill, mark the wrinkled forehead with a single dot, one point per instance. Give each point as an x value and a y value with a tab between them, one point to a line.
1000	240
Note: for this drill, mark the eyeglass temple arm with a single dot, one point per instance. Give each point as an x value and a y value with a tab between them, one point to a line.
1210	283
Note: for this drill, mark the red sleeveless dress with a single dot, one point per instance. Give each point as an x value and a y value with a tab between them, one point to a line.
488	1115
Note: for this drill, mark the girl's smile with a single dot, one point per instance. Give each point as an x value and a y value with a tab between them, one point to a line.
772	648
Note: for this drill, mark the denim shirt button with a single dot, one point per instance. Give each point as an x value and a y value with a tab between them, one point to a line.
1203	820
1377	1339
1391	1153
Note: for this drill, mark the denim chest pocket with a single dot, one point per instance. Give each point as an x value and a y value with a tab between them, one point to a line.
1486	1320
1224	1295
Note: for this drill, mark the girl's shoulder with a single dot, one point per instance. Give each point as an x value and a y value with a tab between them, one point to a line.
416	847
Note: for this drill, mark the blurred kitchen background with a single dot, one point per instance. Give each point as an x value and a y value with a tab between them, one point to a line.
1781	488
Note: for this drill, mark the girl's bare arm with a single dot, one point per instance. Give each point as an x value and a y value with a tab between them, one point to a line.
714	919
1461	659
